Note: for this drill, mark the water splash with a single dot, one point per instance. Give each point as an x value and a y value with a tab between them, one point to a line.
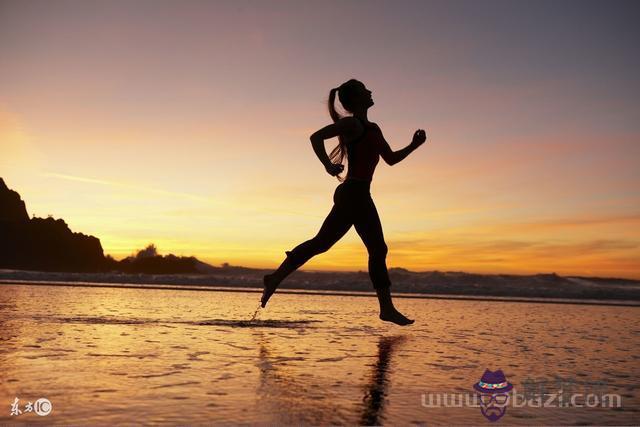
255	313
286	324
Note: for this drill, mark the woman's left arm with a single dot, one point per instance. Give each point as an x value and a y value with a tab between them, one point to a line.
392	157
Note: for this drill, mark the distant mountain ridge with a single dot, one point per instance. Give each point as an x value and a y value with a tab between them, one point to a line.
546	286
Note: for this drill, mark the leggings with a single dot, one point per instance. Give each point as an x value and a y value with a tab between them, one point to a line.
352	205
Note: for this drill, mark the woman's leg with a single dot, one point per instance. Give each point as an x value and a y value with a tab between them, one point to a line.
368	226
335	225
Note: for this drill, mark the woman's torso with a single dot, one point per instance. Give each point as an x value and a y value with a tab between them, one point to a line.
363	152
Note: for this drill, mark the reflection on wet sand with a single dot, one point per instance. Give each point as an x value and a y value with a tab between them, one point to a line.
293	398
290	398
376	391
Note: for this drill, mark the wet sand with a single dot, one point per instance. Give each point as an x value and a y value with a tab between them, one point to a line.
162	356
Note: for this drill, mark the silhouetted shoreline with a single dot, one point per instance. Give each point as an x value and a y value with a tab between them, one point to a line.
207	288
544	286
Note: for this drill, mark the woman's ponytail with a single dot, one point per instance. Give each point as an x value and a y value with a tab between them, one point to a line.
332	105
338	153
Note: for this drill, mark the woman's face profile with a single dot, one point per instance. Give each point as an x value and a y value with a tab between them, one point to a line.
362	96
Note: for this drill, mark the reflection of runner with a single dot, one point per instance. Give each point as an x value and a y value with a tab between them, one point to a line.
288	397
376	391
363	144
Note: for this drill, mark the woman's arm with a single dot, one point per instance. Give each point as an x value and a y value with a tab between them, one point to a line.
392	157
344	127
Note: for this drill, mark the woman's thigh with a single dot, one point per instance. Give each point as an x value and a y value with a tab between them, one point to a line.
368	225
338	221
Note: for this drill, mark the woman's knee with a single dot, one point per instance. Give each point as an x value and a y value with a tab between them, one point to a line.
379	251
321	245
314	246
308	249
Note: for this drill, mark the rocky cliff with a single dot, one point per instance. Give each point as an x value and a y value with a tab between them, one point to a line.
42	243
12	207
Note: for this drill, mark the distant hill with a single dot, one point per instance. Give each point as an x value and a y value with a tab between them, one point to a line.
148	261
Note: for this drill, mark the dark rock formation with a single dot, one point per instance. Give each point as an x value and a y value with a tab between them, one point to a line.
12	207
47	244
42	243
148	261
169	264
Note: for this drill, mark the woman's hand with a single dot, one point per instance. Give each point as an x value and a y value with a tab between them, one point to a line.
334	169
419	137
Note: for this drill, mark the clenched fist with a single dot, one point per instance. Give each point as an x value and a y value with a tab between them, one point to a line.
419	137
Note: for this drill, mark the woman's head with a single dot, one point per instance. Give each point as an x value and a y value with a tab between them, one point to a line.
353	95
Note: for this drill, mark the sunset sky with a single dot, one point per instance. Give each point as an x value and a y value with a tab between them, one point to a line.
187	123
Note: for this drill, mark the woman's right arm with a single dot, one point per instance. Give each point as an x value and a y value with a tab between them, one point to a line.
344	127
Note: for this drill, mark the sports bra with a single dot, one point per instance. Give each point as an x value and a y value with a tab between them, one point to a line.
363	153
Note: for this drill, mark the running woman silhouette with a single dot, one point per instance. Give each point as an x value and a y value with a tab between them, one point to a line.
362	142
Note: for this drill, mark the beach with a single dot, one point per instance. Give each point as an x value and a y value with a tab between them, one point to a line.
164	356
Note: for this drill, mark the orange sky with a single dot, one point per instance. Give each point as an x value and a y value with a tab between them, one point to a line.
186	124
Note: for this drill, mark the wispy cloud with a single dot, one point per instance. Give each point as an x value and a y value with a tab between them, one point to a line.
128	186
231	205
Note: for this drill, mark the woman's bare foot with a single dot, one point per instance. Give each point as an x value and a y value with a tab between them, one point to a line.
394	316
270	286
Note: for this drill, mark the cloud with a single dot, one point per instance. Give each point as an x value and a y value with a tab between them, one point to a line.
127	186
